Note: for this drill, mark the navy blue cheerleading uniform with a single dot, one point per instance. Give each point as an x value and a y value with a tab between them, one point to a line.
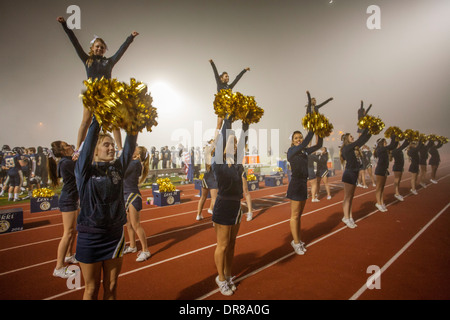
399	158
435	158
68	200
413	154
131	192
423	153
352	163
382	153
101	66
225	86
227	208
366	159
312	166
102	208
322	165
298	159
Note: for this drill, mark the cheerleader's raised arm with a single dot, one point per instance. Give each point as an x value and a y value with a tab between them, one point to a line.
222	80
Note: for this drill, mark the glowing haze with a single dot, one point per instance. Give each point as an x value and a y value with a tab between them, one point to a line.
290	46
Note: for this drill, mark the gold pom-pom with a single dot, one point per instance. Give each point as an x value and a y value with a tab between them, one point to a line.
411	135
396	131
43	193
251	177
442	139
237	106
423	137
120	105
375	125
222	102
165	185
318	124
248	111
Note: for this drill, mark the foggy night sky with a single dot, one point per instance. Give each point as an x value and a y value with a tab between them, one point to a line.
290	45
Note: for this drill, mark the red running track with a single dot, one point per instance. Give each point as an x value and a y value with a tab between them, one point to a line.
409	244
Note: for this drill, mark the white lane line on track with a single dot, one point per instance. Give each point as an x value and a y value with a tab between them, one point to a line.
310	244
244	235
165	233
399	253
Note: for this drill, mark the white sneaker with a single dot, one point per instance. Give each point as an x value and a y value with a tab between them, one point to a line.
70	259
380	207
199	218
414	191
210	211
63	273
315	200
223	287
399	197
249	216
349	223
303	246
231	284
129	249
423	185
143	255
433	181
384	207
329	197
298	248
353	222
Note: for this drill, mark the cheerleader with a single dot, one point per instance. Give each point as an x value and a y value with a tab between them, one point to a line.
397	168
350	176
100	242
366	159
136	174
423	157
227	213
297	191
223	79
381	170
322	170
435	159
97	67
67	202
413	154
209	183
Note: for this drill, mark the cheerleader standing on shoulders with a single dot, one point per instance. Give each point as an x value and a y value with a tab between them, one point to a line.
351	172
227	213
136	174
413	153
223	79
297	191
397	168
97	66
435	159
67	202
381	170
101	242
